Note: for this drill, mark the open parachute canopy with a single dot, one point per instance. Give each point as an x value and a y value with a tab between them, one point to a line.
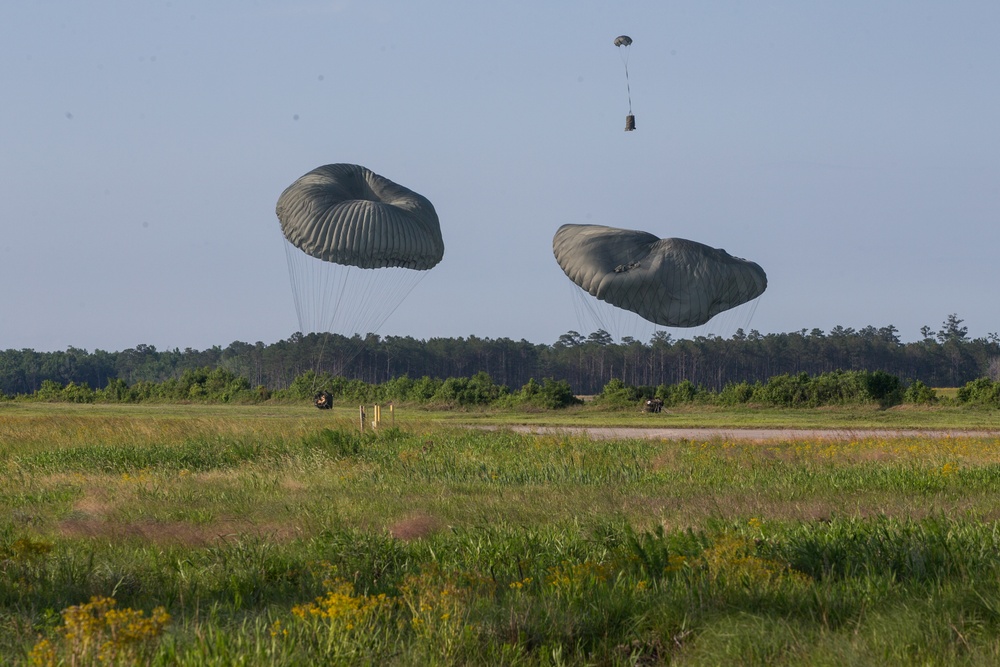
347	214
357	244
670	282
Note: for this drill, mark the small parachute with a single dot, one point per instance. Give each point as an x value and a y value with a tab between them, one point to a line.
623	42
670	282
357	244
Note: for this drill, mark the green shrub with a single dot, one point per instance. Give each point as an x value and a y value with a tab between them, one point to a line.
881	387
306	385
479	390
835	388
919	393
683	392
77	393
617	394
550	395
738	393
49	391
982	391
784	390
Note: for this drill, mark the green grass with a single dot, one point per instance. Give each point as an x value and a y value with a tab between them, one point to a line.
283	536
696	416
267	416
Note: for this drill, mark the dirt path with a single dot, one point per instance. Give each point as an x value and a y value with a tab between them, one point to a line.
747	434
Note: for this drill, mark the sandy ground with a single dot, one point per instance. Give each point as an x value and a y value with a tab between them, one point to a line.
748	434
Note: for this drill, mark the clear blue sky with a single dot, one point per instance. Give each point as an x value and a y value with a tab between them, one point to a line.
851	148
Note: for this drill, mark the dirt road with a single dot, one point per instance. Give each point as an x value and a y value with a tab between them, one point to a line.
746	434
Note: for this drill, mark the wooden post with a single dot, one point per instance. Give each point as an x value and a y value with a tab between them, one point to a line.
362	410
392	416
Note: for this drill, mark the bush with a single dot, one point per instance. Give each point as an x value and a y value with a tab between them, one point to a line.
479	390
982	391
117	391
550	395
920	394
683	392
306	385
49	391
836	388
616	394
784	390
557	394
881	387
736	393
77	393
424	389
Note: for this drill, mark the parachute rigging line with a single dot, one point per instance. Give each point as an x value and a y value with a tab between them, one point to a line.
628	87
346	301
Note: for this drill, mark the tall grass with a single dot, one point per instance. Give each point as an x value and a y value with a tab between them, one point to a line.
286	539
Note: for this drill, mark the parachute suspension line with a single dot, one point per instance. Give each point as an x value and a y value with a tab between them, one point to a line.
376	295
593	314
344	301
308	288
628	88
296	279
753	311
328	285
747	309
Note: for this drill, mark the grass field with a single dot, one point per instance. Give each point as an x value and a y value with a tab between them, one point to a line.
280	535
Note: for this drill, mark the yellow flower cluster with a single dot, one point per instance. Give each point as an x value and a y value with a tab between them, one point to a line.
676	563
98	630
278	630
519	585
569	577
340	606
731	559
140	477
409	455
439	612
26	549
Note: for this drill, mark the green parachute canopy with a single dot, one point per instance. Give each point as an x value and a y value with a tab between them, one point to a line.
671	282
356	245
347	214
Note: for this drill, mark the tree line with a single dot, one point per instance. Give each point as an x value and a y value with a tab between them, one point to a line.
218	385
946	357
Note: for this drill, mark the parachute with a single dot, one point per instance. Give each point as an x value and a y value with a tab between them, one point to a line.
623	42
670	282
357	244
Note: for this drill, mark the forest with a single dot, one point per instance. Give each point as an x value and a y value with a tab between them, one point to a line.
943	358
